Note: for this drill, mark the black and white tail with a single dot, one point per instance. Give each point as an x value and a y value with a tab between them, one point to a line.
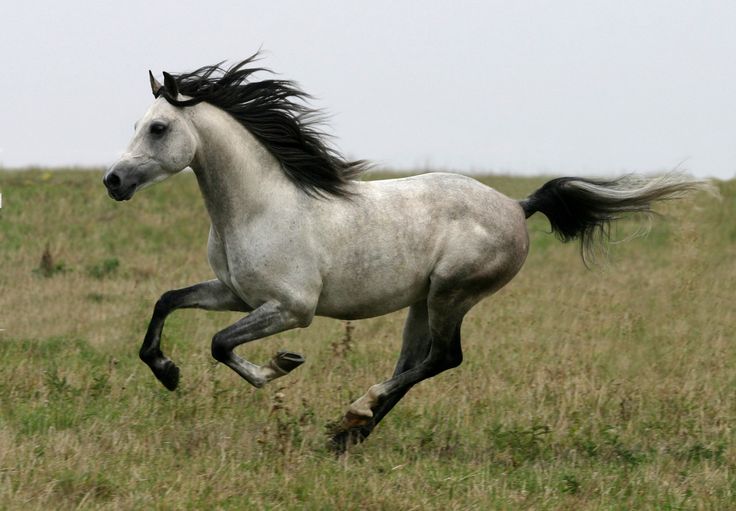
583	209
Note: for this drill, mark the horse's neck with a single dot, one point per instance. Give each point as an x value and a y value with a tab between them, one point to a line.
238	177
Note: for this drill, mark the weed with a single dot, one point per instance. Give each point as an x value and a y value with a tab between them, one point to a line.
104	268
58	385
344	346
100	385
522	444
570	484
49	266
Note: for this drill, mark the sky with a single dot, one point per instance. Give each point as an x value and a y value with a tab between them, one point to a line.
521	87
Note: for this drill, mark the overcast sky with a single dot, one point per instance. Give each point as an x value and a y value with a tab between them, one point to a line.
555	87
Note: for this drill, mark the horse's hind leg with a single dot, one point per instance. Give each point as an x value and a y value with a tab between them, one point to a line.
445	353
210	295
414	349
445	313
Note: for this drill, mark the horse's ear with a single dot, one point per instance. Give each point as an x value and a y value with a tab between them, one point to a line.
170	85
155	85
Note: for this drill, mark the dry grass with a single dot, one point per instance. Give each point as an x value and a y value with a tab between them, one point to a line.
604	389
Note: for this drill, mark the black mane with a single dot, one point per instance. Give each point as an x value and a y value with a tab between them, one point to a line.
275	112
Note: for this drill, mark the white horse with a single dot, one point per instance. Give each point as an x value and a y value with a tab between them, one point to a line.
294	235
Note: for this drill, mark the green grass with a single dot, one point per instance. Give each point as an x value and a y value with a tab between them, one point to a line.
605	389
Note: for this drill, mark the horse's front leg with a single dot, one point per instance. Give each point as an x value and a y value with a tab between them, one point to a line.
210	295
270	318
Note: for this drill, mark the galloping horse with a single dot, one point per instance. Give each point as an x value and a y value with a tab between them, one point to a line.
294	234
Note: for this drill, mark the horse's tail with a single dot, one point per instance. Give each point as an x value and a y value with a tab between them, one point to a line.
584	208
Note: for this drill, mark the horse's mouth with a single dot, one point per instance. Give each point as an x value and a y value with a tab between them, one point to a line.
122	194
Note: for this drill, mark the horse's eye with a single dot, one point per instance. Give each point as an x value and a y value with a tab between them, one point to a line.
158	128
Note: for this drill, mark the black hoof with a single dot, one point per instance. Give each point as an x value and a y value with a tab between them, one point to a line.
287	361
168	374
342	435
340	442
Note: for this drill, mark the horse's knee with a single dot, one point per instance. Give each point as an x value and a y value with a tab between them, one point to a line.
165	303
219	348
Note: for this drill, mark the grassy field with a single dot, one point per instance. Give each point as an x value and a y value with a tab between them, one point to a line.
606	389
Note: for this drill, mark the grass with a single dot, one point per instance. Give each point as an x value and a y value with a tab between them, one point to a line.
605	389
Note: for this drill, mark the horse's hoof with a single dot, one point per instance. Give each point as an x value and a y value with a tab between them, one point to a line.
168	374
342	436
286	361
340	442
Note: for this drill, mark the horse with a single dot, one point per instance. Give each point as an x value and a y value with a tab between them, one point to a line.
295	233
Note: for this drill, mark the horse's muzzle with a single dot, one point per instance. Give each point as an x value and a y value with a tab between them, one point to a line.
116	186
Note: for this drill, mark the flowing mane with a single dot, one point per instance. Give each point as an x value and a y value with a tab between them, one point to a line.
276	113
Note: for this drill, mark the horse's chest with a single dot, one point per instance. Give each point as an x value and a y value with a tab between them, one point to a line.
217	257
254	272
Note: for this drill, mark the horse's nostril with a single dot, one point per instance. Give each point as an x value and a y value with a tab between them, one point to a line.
112	181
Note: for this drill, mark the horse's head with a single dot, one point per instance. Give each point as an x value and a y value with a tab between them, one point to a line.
164	143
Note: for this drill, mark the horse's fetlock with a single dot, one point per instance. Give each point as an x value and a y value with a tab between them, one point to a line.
148	355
